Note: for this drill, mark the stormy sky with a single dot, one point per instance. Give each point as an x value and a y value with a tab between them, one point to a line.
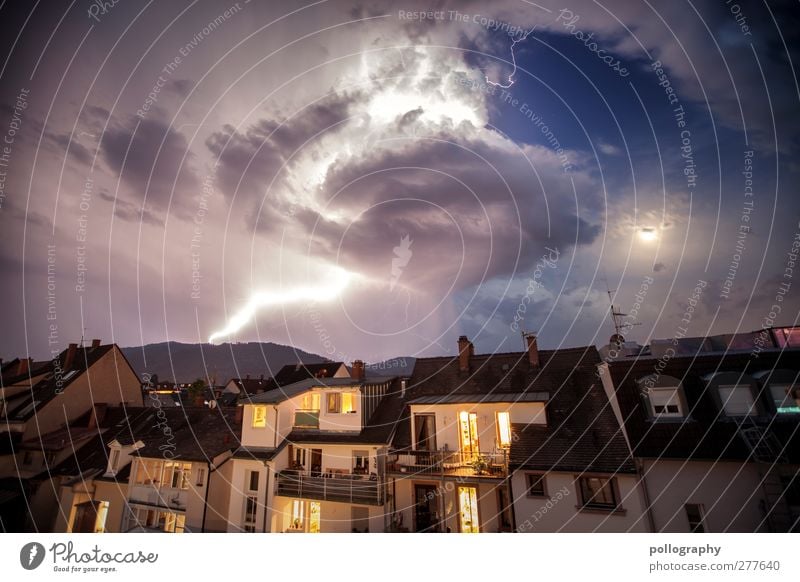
372	179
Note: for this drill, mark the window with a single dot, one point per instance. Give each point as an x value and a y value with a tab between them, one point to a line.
536	484
2	407
27	458
148	472
341	402
425	429
468	509
172	522
298	514
360	462
504	509
113	460
348	403
259	416
694	513
598	492
665	402
504	429
468	425
783	398
252	481
334	402
737	400
310	402
176	474
201	477
250	507
359	518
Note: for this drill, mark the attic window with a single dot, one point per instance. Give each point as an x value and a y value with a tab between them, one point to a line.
783	397
69	375
665	402
737	400
259	416
22	413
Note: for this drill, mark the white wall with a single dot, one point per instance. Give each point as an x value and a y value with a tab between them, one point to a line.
723	488
559	511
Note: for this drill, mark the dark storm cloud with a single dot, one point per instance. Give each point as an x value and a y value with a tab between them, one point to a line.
152	159
381	204
249	160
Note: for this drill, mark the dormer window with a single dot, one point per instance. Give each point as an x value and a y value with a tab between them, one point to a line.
783	397
665	402
737	399
341	403
504	429
259	416
113	461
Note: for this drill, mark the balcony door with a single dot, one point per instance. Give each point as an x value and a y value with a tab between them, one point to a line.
316	462
468	509
468	427
425	508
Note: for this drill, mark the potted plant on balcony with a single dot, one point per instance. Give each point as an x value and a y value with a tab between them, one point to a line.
480	465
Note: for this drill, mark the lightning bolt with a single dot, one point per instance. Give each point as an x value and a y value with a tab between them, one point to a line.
326	291
32	555
513	61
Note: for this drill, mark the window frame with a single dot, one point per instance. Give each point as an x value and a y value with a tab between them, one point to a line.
200	477
333	403
541	480
790	390
754	409
252	475
677	395
259	419
699	526
611	483
498	424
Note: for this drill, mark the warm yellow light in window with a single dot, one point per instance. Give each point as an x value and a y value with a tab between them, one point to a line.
348	402
504	429
259	416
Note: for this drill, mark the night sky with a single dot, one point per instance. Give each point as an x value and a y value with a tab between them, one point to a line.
361	182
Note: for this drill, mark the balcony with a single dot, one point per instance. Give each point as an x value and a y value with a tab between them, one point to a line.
343	487
167	497
450	463
306	418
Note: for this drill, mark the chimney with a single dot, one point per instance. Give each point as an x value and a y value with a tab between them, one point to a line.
533	350
70	357
358	370
95	343
23	366
465	352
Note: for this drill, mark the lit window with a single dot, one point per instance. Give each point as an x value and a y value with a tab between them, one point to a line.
598	492
666	402
694	513
176	474
348	402
468	509
783	398
310	401
504	429
259	416
536	482
298	514
737	400
334	403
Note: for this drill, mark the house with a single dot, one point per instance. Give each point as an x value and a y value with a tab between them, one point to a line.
713	425
176	462
522	441
313	457
41	399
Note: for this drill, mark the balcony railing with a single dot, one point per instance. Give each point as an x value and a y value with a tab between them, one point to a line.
490	464
306	418
349	488
168	497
